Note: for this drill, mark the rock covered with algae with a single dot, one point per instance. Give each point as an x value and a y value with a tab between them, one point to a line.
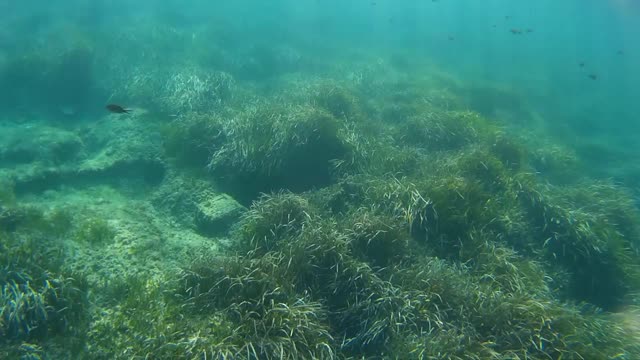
216	213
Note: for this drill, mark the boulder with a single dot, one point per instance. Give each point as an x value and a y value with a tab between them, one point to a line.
216	214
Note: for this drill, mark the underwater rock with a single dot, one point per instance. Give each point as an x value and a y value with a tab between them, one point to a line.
178	197
124	150
38	158
215	215
36	143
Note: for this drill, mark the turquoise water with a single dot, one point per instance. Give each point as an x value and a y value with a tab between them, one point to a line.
366	179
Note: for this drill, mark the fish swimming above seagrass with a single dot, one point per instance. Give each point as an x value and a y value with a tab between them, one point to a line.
117	109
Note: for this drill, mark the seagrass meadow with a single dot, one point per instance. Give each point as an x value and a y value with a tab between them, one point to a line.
319	180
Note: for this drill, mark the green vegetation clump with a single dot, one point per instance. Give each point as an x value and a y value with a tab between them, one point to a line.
338	101
490	302
273	218
270	147
436	130
510	151
191	140
558	164
39	301
13	218
589	238
378	239
94	231
225	308
400	99
31	311
593	231
58	222
193	89
31	221
436	239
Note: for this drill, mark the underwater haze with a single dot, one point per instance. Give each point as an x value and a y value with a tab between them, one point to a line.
365	179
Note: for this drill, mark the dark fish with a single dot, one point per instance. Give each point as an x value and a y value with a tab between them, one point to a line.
516	31
529	30
593	76
117	109
581	64
620	52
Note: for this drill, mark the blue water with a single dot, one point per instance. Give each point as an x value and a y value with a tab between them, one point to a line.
543	65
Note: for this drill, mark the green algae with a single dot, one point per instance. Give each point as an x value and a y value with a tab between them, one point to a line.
94	231
7	194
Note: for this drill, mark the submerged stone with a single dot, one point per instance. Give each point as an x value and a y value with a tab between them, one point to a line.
215	215
40	144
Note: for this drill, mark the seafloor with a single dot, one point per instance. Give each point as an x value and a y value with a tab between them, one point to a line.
271	205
